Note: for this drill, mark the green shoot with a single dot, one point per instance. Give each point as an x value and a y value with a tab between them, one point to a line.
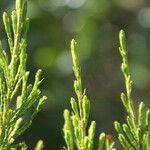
135	134
17	97
77	134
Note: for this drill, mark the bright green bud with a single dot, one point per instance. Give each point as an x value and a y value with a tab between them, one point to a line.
6	23
126	129
66	115
148	119
74	106
16	127
91	131
86	109
37	78
122	39
91	134
74	54
39	145
141	115
118	127
101	141
41	102
130	123
124	100
23	146
14	21
19	102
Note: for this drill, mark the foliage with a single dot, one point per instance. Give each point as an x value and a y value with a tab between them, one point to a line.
17	97
94	25
76	121
135	134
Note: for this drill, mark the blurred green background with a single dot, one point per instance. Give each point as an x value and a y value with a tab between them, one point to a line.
95	25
